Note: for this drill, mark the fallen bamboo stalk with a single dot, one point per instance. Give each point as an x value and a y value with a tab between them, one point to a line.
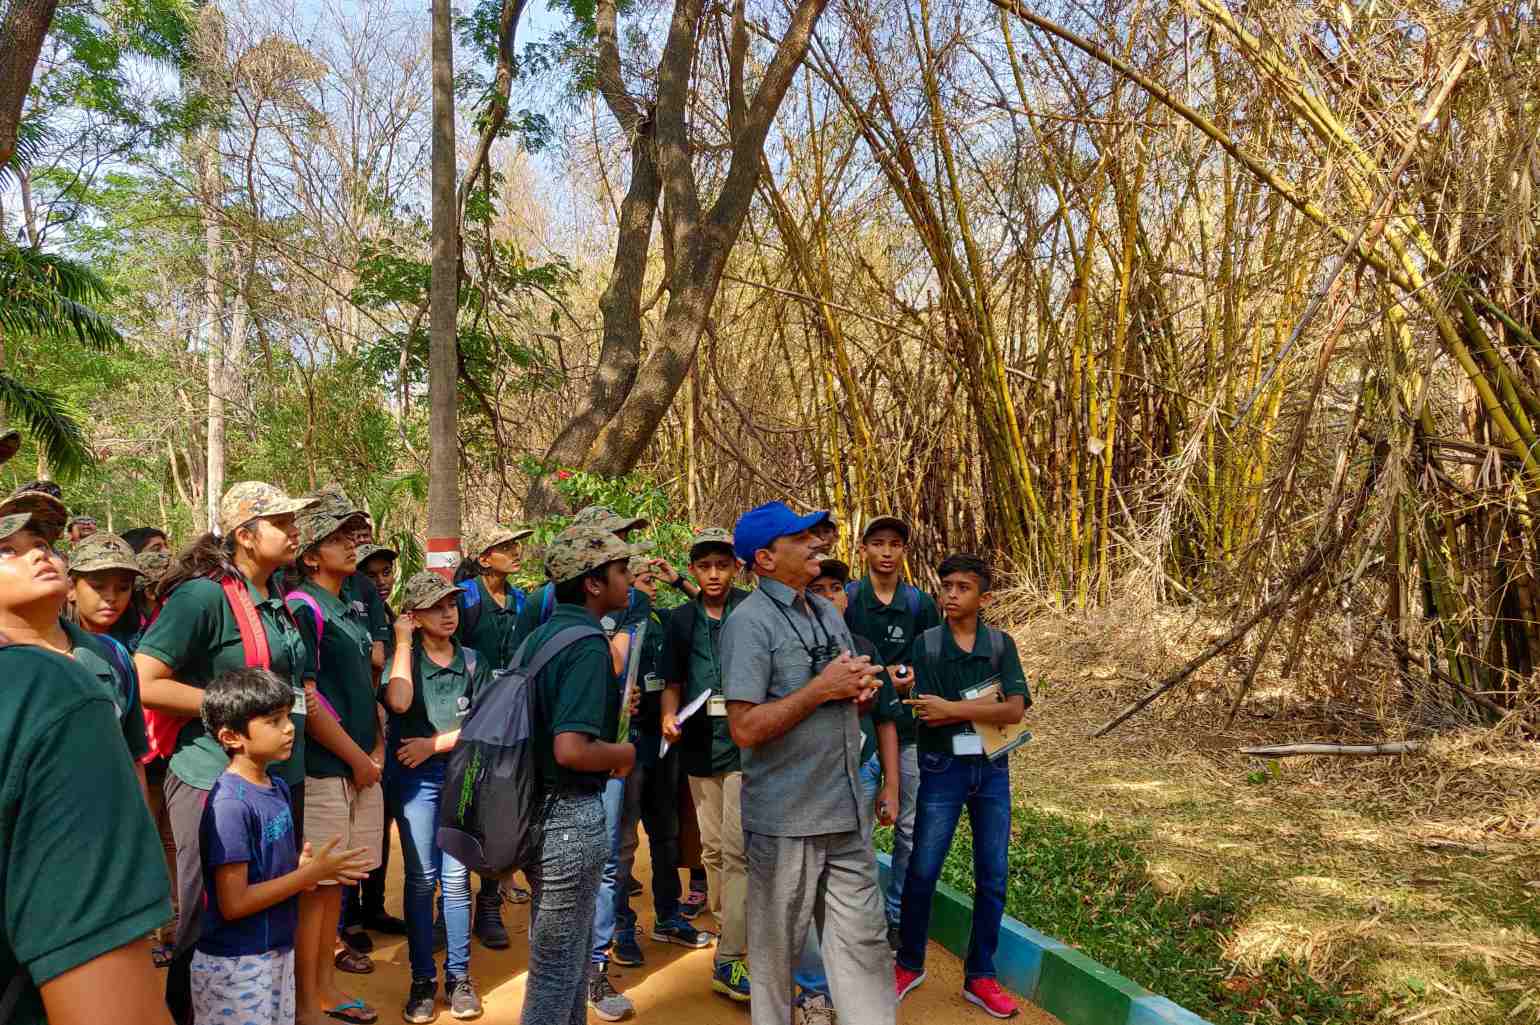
1394	747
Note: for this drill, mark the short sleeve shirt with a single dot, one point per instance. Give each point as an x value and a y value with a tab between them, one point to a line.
708	748
495	625
71	812
197	636
893	628
441	695
115	672
957	671
806	781
377	612
576	692
246	823
340	664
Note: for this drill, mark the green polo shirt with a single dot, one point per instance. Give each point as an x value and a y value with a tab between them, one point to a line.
576	692
892	629
887	707
441	695
957	671
706	674
118	677
341	669
378	613
197	636
495	625
83	871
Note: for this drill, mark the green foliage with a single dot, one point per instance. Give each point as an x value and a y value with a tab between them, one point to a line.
1090	887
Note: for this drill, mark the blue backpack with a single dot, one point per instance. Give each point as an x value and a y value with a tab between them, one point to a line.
470	606
909	591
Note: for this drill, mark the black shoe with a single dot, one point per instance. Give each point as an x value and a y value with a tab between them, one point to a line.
355	937
422	1003
893	936
489	921
464	1002
440	935
379	921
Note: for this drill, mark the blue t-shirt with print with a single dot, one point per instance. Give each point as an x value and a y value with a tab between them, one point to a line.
244	822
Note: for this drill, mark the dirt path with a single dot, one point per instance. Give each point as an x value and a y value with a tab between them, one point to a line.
672	988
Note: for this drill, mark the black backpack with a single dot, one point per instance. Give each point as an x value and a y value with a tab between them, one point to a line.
489	814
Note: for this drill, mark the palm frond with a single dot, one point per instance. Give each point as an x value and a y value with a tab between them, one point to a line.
31	138
49	422
49	295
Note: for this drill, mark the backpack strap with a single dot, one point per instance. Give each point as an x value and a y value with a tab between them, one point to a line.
120	658
932	641
519	601
851	586
912	599
315	610
253	635
996	647
555	645
547	602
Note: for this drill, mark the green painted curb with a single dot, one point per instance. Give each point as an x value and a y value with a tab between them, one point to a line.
1055	976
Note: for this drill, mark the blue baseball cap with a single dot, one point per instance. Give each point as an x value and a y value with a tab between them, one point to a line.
759	527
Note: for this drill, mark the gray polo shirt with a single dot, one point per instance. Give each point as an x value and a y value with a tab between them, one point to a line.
805	782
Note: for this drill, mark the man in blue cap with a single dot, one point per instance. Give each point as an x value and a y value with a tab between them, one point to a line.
794	698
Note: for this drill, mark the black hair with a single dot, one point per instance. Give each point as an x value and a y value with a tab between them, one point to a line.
964	563
235	698
712	548
208	555
138	537
571	592
834	569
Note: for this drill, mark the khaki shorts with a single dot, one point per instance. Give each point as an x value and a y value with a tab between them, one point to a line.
335	807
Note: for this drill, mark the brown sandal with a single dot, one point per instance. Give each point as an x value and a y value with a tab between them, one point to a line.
351	961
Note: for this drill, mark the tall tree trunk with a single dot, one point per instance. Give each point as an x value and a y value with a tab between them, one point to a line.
443	436
214	326
21	40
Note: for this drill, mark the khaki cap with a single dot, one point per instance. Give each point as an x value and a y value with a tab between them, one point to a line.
103	551
367	552
609	519
13	523
331	512
152	566
425	588
579	549
483	541
47	513
252	499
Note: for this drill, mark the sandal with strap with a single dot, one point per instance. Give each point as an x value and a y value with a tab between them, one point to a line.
351	961
343	1012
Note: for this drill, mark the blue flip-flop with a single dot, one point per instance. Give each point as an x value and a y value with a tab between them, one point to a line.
340	1013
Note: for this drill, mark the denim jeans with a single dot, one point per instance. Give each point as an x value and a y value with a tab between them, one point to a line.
948	783
564	884
614	797
414	795
651	792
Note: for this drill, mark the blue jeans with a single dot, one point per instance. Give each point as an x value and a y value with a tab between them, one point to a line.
948	783
604	912
414	795
651	798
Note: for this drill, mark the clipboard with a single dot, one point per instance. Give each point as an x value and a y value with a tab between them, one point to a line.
634	660
999	740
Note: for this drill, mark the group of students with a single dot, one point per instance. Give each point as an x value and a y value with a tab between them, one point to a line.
272	716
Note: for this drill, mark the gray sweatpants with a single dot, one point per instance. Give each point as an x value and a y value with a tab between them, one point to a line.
564	888
831	880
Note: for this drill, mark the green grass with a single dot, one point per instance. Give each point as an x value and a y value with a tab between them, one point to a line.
1090	887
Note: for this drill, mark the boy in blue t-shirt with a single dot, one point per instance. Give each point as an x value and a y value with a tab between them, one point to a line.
244	962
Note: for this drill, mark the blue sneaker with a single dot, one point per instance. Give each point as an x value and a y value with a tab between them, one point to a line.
732	980
677	930
625	950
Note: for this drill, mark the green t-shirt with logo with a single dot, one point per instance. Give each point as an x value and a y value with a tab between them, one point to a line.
892	628
441	695
958	671
496	625
576	692
83	872
341	668
116	673
197	637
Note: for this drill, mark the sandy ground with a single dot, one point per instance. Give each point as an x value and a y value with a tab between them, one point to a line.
672	988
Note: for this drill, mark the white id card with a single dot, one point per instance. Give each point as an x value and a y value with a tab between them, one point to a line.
967	744
652	683
717	707
299	702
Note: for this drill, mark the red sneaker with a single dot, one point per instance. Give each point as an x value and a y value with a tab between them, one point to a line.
904	980
988	995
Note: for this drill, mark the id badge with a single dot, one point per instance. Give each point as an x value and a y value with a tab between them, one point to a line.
652	683
967	744
716	707
299	702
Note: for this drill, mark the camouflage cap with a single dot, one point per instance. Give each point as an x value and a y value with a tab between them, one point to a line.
482	541
424	589
46	512
10	441
102	551
331	512
609	519
152	566
640	564
579	549
80	521
251	499
367	552
12	523
712	537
